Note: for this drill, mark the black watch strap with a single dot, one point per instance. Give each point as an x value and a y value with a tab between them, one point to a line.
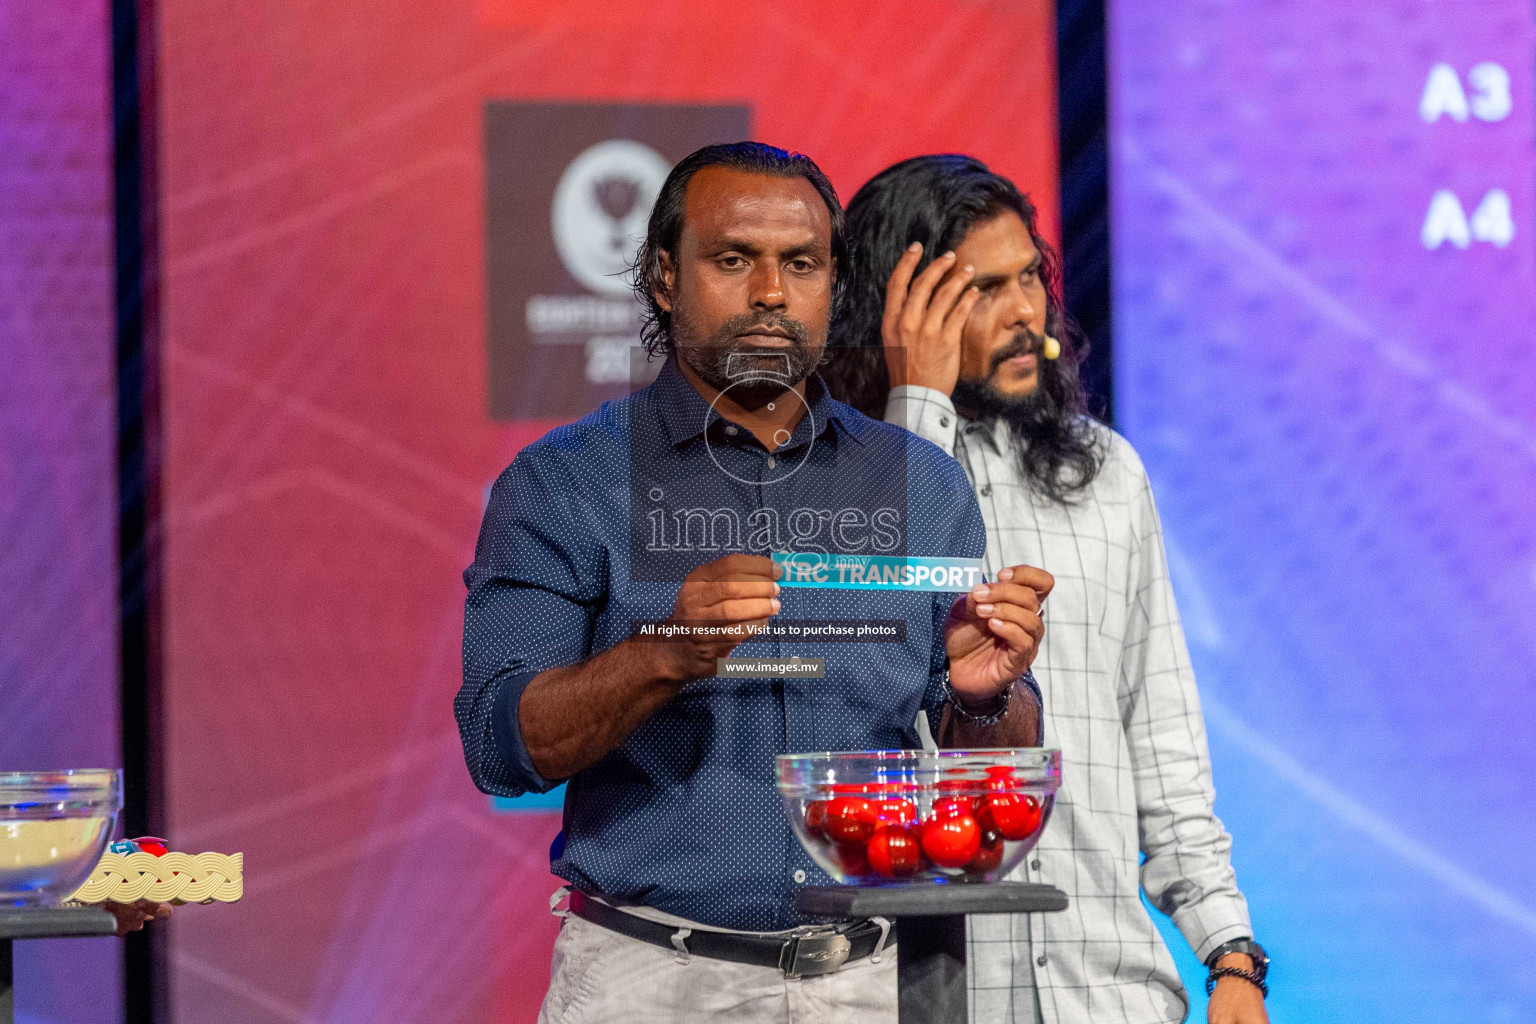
1247	947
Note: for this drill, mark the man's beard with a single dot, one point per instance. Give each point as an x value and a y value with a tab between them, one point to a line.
1025	414
1058	450
754	375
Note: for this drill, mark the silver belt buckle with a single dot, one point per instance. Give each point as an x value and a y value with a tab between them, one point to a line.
814	953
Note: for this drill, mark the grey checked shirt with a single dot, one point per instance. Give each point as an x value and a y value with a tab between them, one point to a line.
1120	703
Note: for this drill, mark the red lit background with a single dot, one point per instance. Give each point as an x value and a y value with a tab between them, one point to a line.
329	441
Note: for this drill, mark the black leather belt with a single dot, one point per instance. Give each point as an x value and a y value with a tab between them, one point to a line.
814	951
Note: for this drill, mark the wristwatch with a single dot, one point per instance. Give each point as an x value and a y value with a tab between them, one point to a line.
1248	948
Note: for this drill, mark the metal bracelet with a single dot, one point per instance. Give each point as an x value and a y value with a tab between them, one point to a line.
970	716
1250	977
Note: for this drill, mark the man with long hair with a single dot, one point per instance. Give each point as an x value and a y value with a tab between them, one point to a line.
661	509
953	327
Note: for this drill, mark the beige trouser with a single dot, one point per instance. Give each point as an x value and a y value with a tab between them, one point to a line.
598	976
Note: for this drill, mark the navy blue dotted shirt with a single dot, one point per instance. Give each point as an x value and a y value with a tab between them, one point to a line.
592	529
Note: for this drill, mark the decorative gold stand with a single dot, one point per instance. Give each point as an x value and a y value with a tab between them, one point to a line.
174	878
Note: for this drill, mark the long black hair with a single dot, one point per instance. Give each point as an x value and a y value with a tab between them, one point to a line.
666	224
936	200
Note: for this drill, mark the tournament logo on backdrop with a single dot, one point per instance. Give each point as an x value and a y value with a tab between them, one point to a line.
569	189
600	211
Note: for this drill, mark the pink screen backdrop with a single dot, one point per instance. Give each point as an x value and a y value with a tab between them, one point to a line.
329	436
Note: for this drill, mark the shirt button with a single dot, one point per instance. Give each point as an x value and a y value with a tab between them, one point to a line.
1035	863
798	876
771	462
731	431
1040	959
986	490
943	421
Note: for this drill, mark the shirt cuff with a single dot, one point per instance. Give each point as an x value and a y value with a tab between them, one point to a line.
927	413
1028	679
1212	921
507	735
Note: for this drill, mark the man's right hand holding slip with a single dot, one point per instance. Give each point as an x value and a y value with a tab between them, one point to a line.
573	717
736	594
924	319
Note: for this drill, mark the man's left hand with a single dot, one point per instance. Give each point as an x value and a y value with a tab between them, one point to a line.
132	916
1235	1001
994	633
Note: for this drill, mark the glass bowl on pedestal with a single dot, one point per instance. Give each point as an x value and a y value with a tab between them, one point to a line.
882	817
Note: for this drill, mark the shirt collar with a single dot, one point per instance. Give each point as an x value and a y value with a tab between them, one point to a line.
996	431
685	415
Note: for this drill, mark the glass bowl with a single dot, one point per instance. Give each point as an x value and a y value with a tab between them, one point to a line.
881	817
54	827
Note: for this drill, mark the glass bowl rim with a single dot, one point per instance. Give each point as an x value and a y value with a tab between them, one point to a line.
66	776
806	773
69	784
1047	755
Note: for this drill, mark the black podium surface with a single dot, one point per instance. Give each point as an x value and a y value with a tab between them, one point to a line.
930	933
43	923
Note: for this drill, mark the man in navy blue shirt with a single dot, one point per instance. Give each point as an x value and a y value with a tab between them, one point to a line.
663	508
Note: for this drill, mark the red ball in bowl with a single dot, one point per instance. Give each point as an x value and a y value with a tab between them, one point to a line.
896	811
894	852
1016	816
850	820
989	855
949	806
816	818
852	860
952	840
953	787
